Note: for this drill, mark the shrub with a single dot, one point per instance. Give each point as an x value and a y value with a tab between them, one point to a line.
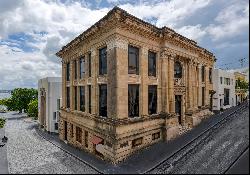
2	122
33	109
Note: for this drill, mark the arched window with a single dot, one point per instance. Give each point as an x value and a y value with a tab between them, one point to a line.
177	70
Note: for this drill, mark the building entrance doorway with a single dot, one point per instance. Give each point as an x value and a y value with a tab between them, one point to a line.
178	107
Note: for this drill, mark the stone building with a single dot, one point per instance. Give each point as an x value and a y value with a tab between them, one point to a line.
128	84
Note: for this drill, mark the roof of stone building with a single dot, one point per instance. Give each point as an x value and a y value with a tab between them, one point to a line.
159	31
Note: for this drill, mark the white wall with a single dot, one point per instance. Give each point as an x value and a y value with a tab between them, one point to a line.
219	88
53	89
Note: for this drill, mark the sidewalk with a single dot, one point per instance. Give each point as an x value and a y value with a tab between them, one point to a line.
3	155
143	160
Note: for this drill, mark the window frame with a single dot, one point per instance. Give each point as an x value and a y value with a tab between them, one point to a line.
137	98
82	67
152	69
150	89
82	98
103	112
132	48
180	74
103	61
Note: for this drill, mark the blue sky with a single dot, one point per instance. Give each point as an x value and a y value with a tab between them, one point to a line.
32	31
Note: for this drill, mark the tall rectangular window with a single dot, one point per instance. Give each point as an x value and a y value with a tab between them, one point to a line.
58	104
203	73
75	97
151	64
79	134
103	61
68	97
103	100
203	96
89	64
221	80
86	135
133	100
226	96
152	99
75	65
82	67
67	71
133	60
210	75
82	98
89	88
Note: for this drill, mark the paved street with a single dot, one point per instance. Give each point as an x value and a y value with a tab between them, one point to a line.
217	152
29	153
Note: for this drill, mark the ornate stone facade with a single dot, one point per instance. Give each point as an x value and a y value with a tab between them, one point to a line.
117	136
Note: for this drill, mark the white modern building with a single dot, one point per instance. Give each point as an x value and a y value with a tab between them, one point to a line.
49	103
224	85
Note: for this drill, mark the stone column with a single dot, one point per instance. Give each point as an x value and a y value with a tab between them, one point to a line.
143	61
164	81
121	78
195	106
171	84
111	85
199	93
94	85
63	84
72	100
190	92
206	85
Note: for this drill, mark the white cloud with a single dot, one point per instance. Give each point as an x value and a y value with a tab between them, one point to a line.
231	21
193	32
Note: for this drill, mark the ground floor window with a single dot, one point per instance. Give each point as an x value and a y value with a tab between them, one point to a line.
203	96
137	142
56	126
152	99
79	134
133	100
226	96
156	136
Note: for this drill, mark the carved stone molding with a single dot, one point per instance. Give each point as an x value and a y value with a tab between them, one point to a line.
121	44
180	89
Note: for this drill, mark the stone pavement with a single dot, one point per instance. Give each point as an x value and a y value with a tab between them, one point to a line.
3	155
145	159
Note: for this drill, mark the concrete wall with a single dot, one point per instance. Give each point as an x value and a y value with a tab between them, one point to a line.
52	87
219	88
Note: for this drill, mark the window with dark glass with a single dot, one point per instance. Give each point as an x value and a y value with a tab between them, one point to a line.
221	80
133	60
210	75
151	64
226	96
67	71
82	67
79	134
86	135
56	126
103	100
82	98
89	88
177	70
152	99
203	96
203	73
137	142
89	64
133	100
103	61
68	96
75	97
75	63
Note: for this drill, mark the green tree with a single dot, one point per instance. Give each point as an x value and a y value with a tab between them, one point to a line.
2	122
33	109
20	98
